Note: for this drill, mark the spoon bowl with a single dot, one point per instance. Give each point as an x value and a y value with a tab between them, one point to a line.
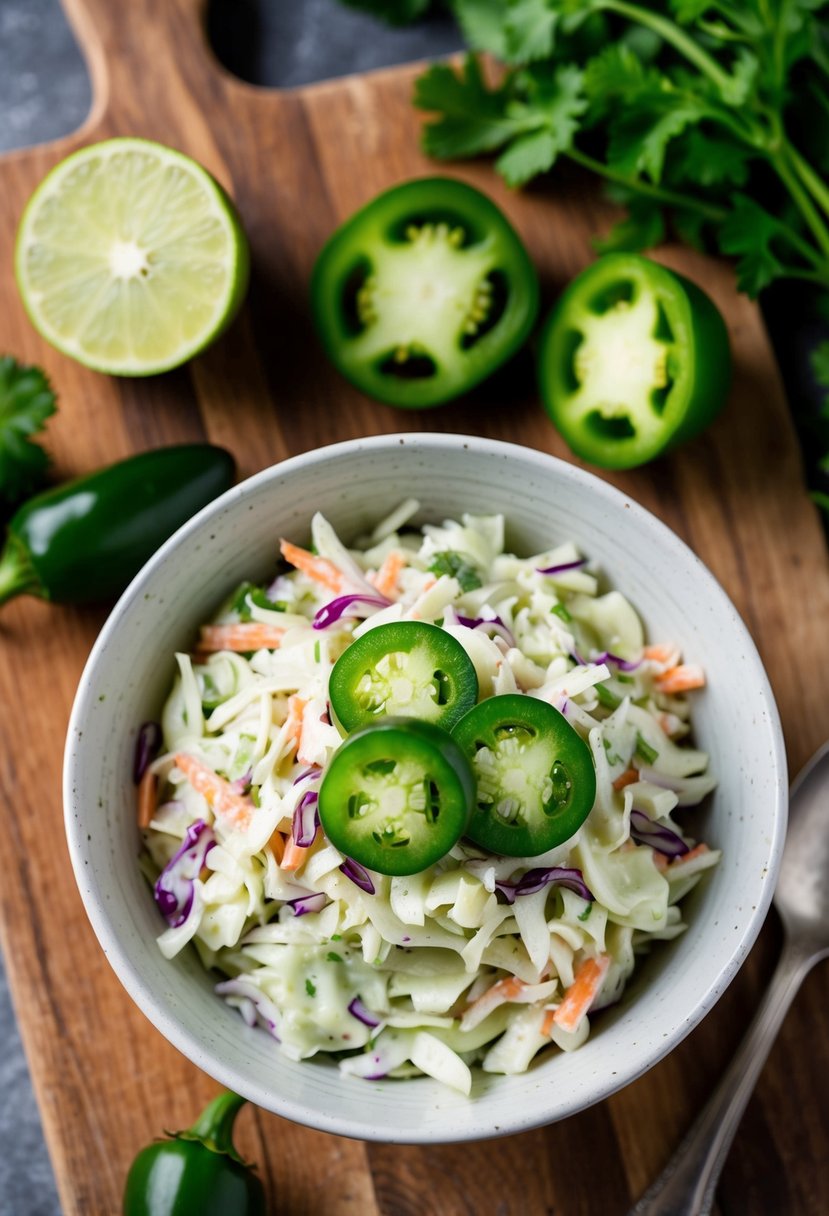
686	1185
802	895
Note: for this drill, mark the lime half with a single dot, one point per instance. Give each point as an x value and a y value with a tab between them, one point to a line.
130	257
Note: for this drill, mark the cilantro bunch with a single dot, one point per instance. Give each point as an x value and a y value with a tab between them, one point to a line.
708	119
692	110
26	401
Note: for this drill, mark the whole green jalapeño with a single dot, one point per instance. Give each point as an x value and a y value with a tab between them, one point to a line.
196	1172
634	360
423	293
535	781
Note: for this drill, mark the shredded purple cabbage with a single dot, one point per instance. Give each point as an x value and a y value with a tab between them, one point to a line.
687	793
146	749
623	664
358	875
358	1010
314	901
644	830
175	887
605	657
306	820
534	880
265	1011
338	608
489	625
306	773
563	568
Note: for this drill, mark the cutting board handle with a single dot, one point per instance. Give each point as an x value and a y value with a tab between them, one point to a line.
154	49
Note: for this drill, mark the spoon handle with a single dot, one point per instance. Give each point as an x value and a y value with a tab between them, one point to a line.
686	1185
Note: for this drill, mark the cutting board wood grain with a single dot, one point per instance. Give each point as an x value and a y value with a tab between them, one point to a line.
298	163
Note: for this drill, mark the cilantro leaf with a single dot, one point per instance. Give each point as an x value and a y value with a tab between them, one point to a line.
642	228
530	27
712	161
482	25
26	401
553	105
689	11
473	118
456	566
640	134
747	233
618	72
528	156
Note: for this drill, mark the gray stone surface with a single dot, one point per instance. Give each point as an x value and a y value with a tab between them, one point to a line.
44	88
44	93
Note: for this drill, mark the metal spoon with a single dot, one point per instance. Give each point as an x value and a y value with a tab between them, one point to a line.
686	1185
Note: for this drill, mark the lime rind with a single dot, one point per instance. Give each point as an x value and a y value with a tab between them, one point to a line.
131	258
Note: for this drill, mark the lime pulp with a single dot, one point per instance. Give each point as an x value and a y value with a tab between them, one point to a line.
130	257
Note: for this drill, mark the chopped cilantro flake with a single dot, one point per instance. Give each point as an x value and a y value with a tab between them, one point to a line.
649	754
456	566
607	698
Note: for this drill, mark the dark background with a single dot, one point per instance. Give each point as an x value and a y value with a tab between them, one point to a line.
45	93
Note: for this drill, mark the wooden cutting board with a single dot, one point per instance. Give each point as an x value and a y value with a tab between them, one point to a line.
298	163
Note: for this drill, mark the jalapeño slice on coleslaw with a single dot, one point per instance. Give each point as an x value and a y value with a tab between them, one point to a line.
406	669
396	796
535	777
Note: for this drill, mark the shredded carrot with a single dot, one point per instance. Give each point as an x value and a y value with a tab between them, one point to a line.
388	574
581	993
294	855
219	794
626	778
548	1022
293	722
147	790
241	637
661	654
660	861
500	992
695	852
276	844
680	678
318	568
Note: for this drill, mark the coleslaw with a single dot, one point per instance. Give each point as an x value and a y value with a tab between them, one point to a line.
478	960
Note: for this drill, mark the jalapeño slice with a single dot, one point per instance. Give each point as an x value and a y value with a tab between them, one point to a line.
423	293
396	796
633	361
406	668
535	777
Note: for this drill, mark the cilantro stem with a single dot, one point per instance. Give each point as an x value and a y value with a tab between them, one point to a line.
802	201
811	180
670	197
678	39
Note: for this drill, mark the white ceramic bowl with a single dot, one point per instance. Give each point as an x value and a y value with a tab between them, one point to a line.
545	502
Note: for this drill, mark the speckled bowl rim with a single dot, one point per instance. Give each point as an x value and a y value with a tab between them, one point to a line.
514	1121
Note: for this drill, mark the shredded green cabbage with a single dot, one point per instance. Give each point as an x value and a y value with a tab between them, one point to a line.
440	971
